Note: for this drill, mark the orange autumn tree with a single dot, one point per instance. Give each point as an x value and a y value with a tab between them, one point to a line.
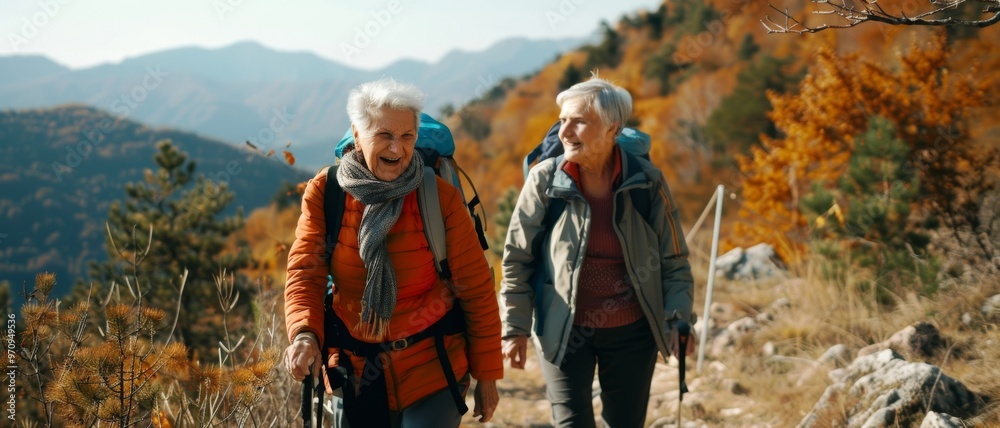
928	107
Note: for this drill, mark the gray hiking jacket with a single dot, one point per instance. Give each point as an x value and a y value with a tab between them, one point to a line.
655	256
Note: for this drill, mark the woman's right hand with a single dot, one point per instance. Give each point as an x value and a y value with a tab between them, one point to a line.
515	349
302	357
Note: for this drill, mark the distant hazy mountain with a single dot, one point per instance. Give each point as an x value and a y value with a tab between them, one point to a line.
249	92
56	191
21	69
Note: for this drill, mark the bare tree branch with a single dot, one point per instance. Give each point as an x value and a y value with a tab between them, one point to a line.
856	12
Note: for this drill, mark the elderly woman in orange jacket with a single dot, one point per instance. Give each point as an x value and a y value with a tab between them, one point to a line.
386	288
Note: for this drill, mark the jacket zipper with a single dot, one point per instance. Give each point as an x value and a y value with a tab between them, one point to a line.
641	297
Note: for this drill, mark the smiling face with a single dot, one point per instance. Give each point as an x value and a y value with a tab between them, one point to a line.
586	140
387	146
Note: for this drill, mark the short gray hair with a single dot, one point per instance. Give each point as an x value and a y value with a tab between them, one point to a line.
366	102
612	103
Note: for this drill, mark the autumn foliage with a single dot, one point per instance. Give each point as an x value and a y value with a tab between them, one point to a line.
929	105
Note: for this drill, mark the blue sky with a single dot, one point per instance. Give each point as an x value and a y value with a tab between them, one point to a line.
82	33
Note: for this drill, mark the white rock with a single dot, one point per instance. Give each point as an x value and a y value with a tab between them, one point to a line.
717	367
744	325
780	305
726	264
941	420
991	309
730	413
764	318
838	355
769	349
885	390
724	311
753	263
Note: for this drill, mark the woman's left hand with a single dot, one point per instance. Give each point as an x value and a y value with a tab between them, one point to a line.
692	343
487	399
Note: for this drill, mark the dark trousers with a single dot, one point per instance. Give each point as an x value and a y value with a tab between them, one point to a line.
624	356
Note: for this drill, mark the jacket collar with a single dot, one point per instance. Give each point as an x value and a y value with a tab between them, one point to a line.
628	173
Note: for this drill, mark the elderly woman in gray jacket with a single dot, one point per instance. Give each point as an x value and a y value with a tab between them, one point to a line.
615	281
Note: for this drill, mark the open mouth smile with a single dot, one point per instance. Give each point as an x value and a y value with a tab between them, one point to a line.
390	161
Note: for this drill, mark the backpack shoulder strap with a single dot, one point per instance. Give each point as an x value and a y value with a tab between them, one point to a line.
530	159
641	197
333	210
641	200
433	219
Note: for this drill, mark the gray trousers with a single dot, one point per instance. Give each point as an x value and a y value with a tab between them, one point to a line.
433	411
625	358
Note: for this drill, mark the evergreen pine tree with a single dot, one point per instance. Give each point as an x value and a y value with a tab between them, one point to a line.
747	48
742	118
176	215
570	77
878	191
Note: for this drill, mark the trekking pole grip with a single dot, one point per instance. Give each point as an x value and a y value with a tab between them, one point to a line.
683	336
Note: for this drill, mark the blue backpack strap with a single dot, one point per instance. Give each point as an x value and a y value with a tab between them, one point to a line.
530	159
550	147
641	197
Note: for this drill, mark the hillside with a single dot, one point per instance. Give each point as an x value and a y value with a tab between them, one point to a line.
249	92
699	73
56	192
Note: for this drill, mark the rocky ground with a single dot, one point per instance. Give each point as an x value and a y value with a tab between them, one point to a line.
771	362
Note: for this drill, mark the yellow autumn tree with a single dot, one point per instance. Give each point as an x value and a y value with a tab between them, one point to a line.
927	104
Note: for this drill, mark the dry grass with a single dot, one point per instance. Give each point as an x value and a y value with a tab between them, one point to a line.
825	313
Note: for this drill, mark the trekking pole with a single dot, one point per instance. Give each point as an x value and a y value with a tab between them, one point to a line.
312	402
683	335
307	389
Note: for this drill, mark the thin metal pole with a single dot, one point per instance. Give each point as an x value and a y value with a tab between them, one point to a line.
706	319
704	214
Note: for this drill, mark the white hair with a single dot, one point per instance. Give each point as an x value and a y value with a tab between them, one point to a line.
612	103
366	102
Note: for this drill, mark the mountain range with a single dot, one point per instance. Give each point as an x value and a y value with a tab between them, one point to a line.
61	168
248	92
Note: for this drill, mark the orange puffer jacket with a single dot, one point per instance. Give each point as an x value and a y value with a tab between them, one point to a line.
415	372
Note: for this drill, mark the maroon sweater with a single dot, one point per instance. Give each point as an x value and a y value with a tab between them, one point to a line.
605	296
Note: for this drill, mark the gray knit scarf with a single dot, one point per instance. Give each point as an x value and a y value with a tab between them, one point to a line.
383	202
